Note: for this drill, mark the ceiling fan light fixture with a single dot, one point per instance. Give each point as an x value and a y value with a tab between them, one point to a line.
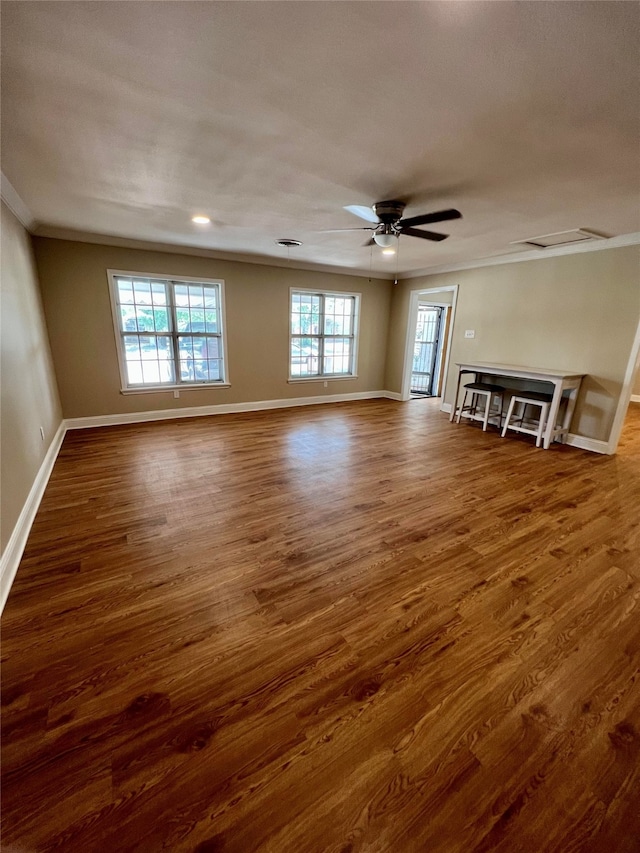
385	241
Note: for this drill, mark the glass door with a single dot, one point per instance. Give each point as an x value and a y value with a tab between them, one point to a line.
425	350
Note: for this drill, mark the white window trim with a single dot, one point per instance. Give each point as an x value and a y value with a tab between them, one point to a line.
177	386
327	377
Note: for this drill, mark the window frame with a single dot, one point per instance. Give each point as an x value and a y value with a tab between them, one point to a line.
178	384
354	336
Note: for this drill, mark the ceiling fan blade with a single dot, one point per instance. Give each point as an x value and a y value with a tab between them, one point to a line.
338	230
426	235
363	212
370	242
438	216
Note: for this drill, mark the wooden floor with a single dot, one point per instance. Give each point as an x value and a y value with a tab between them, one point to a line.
340	628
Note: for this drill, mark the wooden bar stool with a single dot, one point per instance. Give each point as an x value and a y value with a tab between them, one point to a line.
474	391
515	420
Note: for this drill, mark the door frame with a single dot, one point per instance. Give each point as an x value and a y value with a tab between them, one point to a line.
425	294
633	366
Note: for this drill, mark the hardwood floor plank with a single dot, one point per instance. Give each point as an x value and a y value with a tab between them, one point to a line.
352	627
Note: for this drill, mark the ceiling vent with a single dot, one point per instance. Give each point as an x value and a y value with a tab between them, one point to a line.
561	238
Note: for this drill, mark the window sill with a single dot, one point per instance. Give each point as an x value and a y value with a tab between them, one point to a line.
293	380
159	389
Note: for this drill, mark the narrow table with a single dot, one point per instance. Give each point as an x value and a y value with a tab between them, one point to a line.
564	383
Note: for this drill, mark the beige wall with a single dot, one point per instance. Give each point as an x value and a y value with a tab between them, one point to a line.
76	300
28	391
574	312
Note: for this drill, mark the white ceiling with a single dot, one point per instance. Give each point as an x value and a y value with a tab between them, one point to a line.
125	118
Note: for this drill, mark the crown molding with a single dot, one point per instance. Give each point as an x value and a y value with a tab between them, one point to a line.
15	204
632	239
56	233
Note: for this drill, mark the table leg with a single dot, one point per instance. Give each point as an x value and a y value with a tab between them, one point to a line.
455	399
571	404
549	431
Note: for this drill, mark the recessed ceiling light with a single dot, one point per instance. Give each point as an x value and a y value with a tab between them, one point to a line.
388	251
288	244
200	220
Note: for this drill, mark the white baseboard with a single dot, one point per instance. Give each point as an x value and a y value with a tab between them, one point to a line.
446	407
635	398
592	444
13	552
221	409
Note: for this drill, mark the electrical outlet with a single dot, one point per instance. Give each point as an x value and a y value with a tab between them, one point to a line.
176	394
469	333
326	384
42	433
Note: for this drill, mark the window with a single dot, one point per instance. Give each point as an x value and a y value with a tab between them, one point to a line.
323	334
169	331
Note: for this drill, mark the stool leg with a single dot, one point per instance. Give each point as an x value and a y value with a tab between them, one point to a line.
501	418
461	407
487	409
522	413
508	418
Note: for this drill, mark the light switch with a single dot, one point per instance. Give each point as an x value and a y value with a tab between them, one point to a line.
469	333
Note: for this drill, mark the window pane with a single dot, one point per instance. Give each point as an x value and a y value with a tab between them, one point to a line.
132	347
215	369
211	321
183	319
338	314
149	359
181	294
144	318
305	313
305	356
151	373
125	291
148	348
210	297
158	293
337	355
296	323
200	358
142	291
196	296
161	317
196	320
128	318
185	346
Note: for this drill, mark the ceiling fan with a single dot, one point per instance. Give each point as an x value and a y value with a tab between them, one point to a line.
389	224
